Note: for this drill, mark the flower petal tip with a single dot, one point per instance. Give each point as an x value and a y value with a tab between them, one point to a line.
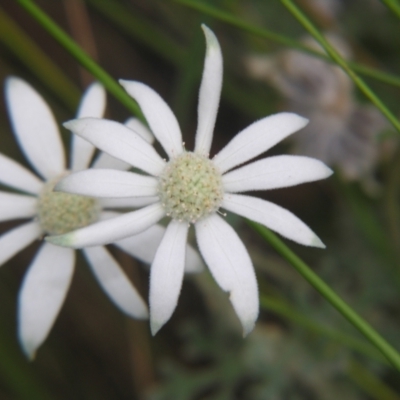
329	171
143	315
304	121
29	350
317	242
294	119
248	327
10	81
195	269
248	322
14	83
211	39
125	82
155	327
65	240
70	124
58	187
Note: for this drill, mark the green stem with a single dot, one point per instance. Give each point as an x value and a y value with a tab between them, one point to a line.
80	55
393	5
314	32
369	383
279	307
188	76
26	50
283	40
370	226
365	216
138	27
305	271
145	32
391	198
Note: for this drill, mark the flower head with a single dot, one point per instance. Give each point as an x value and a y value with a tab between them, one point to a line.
46	283
191	188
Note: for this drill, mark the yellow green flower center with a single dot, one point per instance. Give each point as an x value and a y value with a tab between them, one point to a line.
190	187
59	212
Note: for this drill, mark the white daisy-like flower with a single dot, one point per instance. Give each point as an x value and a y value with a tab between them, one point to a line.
191	188
48	278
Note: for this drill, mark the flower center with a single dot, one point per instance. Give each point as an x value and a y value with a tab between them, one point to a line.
190	187
60	213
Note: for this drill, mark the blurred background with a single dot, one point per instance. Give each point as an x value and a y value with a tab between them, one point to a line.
301	347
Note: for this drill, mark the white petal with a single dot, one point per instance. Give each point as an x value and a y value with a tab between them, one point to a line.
35	127
273	217
258	138
93	104
104	160
42	294
210	93
110	230
166	274
140	128
108	183
16	176
14	206
104	215
231	267
275	172
128	202
17	239
119	141
145	244
115	282
159	116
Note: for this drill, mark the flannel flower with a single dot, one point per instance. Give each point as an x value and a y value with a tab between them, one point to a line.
48	278
191	188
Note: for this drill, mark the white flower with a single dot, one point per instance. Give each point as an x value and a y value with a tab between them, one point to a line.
191	188
46	283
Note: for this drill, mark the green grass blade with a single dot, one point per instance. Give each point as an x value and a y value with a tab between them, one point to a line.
305	271
81	56
27	51
393	5
279	307
283	40
364	88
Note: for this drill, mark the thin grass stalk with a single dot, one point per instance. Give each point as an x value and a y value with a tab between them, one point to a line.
364	88
239	23
81	56
311	277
